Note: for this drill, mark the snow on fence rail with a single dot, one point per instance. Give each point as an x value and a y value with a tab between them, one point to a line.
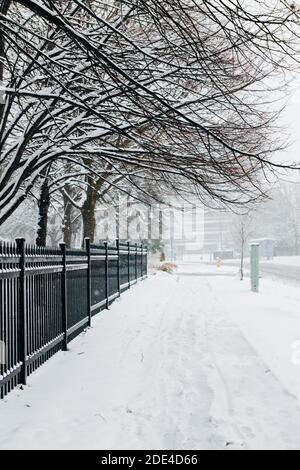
49	296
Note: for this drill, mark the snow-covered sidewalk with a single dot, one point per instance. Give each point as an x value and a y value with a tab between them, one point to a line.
174	364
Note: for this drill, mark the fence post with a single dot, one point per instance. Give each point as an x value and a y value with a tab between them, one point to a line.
64	306
142	249
136	257
118	267
128	262
146	261
22	311
89	269
106	275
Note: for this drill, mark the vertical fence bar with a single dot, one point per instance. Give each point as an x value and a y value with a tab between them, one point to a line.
146	261
128	261
35	307
89	278
106	275
136	258
118	267
64	307
22	311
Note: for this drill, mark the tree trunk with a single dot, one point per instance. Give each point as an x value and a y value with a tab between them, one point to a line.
4	6
88	213
43	205
67	224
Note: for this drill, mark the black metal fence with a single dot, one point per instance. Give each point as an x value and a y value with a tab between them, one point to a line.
49	296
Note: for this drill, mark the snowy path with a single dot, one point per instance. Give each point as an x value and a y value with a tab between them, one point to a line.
165	368
252	404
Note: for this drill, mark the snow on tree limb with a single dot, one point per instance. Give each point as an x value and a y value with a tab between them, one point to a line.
179	89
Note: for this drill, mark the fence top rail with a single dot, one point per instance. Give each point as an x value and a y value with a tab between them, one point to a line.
31	250
122	245
75	252
133	246
9	251
30	260
102	251
9	259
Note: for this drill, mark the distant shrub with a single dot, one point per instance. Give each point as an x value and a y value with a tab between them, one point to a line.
168	267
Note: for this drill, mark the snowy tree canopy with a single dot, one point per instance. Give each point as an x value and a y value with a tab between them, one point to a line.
179	89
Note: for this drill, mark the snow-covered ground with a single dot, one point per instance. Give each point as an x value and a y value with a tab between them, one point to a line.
284	268
286	260
282	260
186	361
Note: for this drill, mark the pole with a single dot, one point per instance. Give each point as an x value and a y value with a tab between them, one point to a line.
106	275
118	267
22	310
136	257
64	305
142	249
128	262
89	272
254	267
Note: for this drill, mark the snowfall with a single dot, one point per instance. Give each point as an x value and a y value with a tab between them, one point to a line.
190	360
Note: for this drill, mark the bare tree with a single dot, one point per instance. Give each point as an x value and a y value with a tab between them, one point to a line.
242	230
178	89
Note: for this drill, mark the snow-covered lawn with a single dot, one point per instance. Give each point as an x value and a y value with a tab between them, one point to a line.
184	361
